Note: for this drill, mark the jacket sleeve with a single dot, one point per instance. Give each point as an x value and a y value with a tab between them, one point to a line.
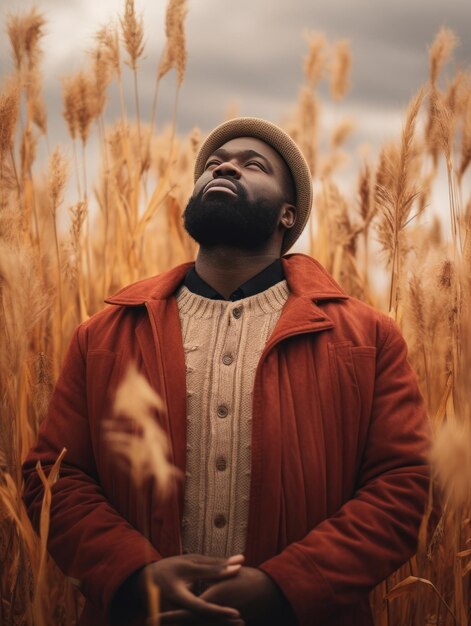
375	531
88	538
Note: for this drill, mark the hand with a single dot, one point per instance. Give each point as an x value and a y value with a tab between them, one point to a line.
175	576
251	592
258	599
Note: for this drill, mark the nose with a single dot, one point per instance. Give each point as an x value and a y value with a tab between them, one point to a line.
227	168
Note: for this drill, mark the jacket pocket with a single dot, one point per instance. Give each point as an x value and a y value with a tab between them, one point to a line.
101	374
103	378
346	392
352	370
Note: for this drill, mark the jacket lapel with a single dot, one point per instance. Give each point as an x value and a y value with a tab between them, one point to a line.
300	315
309	284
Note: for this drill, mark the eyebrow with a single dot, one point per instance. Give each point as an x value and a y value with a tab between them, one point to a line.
245	154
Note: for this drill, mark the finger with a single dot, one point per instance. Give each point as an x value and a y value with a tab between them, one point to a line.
236	559
204	621
223	572
175	618
180	616
200	559
199	571
183	598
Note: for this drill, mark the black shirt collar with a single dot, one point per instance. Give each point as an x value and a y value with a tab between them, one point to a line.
263	280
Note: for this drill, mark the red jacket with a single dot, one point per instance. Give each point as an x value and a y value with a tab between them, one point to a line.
339	448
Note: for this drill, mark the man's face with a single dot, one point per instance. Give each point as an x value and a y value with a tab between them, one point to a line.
238	199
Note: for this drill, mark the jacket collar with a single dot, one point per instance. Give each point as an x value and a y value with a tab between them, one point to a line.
305	276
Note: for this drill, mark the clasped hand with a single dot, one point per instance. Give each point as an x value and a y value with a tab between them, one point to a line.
238	595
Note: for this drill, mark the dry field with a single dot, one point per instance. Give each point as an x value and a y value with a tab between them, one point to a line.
70	238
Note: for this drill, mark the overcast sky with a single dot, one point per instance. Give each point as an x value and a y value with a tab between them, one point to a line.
251	52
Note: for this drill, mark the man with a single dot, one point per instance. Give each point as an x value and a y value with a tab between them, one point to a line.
302	434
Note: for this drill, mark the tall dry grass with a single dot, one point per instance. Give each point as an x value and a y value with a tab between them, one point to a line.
125	224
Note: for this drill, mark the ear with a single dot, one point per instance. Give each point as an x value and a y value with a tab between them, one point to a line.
288	215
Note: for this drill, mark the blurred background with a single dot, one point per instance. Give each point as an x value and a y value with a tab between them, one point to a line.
247	57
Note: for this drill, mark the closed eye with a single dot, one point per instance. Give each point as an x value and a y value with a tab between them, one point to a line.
212	162
257	164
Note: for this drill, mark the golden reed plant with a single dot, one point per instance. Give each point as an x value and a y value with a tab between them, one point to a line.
125	224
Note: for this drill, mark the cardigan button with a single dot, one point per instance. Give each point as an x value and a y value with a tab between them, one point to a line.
237	312
227	359
221	463
220	521
222	411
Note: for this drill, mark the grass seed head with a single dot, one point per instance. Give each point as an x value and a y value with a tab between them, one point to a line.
315	62
25	32
340	71
465	139
69	95
132	29
79	104
175	53
57	178
107	38
9	107
440	52
341	133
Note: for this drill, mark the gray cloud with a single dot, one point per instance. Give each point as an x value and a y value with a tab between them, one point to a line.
252	52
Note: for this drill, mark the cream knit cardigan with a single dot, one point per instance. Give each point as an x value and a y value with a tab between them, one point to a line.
223	342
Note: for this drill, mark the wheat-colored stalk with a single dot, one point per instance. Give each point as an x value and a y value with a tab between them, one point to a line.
9	107
132	28
396	199
341	133
440	52
308	116
367	210
340	70
175	53
108	40
57	178
315	62
174	56
465	140
24	32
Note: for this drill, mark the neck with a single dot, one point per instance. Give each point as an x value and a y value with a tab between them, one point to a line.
225	269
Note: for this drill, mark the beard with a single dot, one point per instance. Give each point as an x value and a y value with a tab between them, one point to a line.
225	220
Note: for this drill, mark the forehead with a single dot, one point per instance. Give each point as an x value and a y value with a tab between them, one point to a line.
243	144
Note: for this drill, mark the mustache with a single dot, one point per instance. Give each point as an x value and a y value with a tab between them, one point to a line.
233	181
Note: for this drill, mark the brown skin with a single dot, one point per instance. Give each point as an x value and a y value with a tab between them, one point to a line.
239	595
250	591
175	576
224	268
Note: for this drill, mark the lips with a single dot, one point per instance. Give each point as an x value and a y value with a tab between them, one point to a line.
220	183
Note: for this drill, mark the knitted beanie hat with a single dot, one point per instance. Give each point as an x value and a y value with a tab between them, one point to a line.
284	145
